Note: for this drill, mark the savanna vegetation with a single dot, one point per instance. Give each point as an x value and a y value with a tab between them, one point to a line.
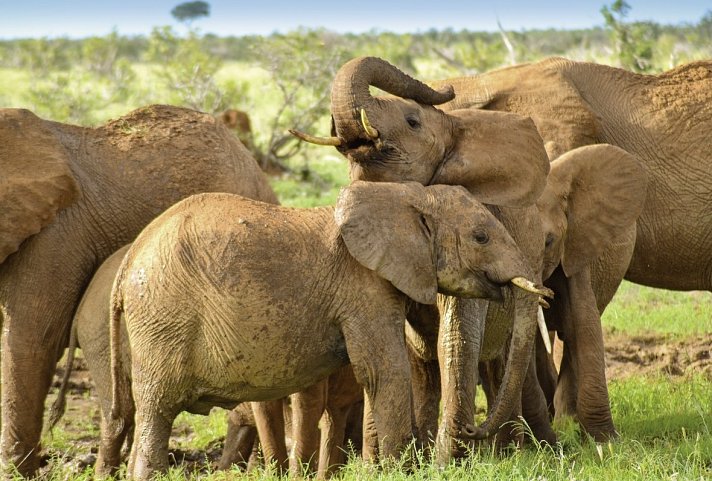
283	81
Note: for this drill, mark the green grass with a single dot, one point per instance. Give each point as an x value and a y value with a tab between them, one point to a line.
665	426
640	310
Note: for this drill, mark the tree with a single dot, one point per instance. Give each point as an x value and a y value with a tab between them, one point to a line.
189	11
633	45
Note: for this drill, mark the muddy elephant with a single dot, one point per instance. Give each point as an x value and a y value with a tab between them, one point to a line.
405	138
663	120
254	301
69	197
334	397
90	331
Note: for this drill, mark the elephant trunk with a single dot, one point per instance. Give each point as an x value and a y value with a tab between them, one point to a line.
524	329
350	93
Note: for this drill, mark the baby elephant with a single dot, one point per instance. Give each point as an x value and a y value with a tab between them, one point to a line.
227	300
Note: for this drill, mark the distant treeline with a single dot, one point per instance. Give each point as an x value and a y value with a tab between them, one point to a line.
464	50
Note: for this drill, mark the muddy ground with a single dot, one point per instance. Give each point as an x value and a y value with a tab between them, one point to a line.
625	356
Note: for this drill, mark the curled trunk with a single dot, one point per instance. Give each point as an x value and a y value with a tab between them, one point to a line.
350	92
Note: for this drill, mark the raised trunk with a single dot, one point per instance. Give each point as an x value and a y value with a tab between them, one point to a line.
350	92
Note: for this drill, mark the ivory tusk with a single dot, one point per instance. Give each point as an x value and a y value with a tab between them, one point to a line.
543	330
529	286
333	141
370	131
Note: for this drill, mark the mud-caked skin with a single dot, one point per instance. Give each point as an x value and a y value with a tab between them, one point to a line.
71	196
229	300
495	134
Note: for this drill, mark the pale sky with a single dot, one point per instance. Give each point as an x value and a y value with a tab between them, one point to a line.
81	18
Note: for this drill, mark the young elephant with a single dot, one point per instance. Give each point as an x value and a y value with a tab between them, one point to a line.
228	300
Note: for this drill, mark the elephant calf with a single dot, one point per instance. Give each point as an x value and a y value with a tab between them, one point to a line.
227	300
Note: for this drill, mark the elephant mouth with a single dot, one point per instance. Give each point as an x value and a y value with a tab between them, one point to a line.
494	289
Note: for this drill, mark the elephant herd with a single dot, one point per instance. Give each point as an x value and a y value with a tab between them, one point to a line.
483	211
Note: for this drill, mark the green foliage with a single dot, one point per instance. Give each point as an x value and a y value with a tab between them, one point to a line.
187	72
189	11
300	66
633	42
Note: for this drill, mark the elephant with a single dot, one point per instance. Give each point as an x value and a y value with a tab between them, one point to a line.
239	122
255	301
71	196
570	104
664	121
404	137
593	197
335	397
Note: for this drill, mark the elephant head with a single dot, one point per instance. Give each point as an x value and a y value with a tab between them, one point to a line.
433	239
593	195
499	157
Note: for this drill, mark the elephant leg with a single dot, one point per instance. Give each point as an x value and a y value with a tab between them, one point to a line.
534	407
422	338
239	439
583	373
149	453
566	386
113	436
307	408
331	449
380	363
270	429
546	374
32	343
369	447
426	398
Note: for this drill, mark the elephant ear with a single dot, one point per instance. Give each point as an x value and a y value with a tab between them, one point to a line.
498	156
36	180
382	226
605	196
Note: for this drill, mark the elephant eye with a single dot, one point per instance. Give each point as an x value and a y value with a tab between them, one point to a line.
549	240
413	121
481	237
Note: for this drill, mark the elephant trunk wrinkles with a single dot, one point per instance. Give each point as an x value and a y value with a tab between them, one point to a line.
350	92
520	349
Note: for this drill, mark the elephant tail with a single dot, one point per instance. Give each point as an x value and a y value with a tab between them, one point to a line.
117	310
58	407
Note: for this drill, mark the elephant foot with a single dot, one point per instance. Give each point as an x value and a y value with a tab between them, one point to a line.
26	463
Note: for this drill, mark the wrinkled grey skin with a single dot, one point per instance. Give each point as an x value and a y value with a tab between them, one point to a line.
571	104
663	120
292	299
71	196
418	142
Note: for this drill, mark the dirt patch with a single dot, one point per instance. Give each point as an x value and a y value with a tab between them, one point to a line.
654	354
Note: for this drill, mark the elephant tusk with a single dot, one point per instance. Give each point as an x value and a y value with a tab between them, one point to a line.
370	131
543	329
529	286
332	141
